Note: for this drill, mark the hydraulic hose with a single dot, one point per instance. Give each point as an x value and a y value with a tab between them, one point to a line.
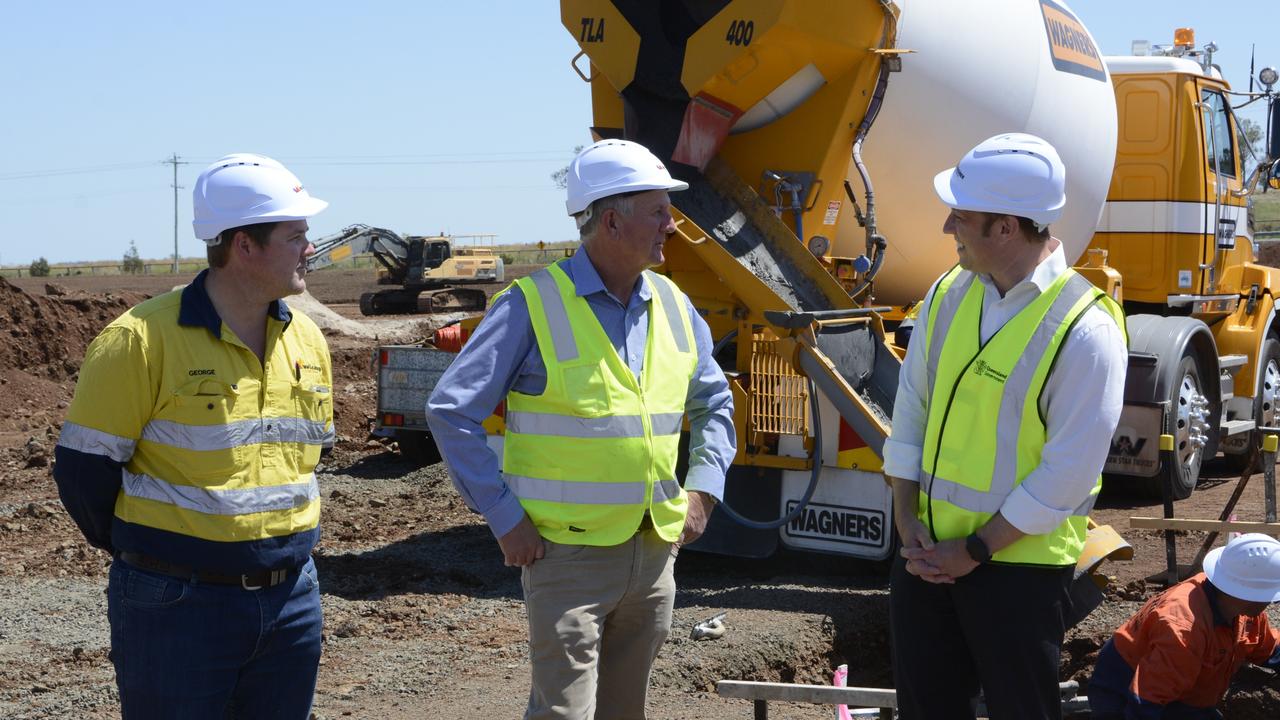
813	477
723	342
876	242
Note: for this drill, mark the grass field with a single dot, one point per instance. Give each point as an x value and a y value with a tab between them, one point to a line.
1266	212
512	254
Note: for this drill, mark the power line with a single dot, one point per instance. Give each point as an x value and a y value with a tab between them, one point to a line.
466	161
404	156
32	174
325	160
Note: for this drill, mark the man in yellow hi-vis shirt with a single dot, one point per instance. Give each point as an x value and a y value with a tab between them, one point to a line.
189	454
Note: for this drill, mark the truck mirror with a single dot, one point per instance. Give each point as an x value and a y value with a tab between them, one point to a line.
1273	178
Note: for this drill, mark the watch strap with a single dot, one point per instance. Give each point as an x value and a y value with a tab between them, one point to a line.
977	548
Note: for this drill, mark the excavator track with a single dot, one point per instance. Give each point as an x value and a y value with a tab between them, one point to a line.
408	302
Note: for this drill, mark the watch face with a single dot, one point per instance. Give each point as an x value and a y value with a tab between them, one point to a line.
977	549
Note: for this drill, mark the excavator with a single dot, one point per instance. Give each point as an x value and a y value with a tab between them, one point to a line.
426	269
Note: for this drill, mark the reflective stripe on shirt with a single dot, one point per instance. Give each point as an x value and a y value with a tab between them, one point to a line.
95	442
235	434
242	501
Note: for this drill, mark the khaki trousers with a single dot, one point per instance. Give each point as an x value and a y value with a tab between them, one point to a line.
597	617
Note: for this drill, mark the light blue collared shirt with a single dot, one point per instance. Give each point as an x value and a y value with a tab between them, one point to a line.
502	355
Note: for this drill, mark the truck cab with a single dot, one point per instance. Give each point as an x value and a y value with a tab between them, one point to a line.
1205	359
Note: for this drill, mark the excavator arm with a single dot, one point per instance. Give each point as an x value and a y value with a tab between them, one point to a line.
388	248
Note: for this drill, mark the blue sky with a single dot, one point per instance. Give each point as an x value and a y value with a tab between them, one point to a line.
420	117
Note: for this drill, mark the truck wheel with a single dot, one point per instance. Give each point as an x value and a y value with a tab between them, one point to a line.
1188	421
1266	405
418	447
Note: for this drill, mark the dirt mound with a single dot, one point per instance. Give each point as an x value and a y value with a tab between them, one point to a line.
388	329
47	336
42	341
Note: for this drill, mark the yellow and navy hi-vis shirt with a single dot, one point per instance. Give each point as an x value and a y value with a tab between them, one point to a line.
181	445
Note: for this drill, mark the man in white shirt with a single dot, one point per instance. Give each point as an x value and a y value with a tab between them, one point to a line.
1009	394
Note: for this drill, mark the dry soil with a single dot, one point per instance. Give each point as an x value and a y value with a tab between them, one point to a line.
422	619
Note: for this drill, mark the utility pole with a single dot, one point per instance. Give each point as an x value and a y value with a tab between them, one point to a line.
175	162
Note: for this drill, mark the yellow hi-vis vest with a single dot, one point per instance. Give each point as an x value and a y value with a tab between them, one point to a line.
984	433
597	449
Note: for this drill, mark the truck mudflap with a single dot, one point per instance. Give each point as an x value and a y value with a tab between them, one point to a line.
1135	446
850	513
851	510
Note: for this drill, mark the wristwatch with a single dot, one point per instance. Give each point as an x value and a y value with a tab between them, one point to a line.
977	549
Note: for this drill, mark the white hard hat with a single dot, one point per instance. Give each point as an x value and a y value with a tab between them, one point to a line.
247	189
1248	568
613	167
1010	174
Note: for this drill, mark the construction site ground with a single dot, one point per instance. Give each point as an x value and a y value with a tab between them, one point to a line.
422	620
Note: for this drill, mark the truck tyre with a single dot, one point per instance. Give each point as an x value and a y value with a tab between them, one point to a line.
1189	426
418	447
1266	399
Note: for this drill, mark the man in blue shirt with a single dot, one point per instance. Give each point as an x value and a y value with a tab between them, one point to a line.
579	594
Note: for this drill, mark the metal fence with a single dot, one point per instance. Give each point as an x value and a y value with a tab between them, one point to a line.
185	267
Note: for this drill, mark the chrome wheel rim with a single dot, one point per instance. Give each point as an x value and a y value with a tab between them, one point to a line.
1270	391
1192	424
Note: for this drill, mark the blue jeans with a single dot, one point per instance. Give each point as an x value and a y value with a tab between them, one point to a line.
183	649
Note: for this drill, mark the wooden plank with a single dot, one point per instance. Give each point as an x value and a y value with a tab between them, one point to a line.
1145	523
818	694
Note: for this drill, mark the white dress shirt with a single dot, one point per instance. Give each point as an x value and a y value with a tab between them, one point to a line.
1081	404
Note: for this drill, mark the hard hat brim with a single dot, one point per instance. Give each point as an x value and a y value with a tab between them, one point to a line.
942	186
304	208
1230	586
671	185
945	188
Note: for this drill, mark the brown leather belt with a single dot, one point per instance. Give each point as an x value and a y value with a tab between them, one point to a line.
249	581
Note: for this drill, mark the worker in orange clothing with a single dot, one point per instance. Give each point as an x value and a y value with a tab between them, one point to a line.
1176	656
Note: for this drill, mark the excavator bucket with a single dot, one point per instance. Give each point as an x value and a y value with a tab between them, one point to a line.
1102	543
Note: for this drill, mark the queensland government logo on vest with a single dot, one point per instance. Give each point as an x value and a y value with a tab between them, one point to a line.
982	369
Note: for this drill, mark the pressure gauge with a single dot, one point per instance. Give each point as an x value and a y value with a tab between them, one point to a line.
819	245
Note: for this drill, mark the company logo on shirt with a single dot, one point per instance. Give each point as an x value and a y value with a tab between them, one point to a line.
982	369
206	371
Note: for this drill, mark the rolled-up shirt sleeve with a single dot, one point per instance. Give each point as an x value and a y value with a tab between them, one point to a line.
468	392
1083	399
903	451
709	407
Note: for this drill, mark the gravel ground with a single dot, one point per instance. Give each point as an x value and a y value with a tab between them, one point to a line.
422	619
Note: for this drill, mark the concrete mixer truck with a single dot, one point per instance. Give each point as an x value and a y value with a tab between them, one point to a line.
809	133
